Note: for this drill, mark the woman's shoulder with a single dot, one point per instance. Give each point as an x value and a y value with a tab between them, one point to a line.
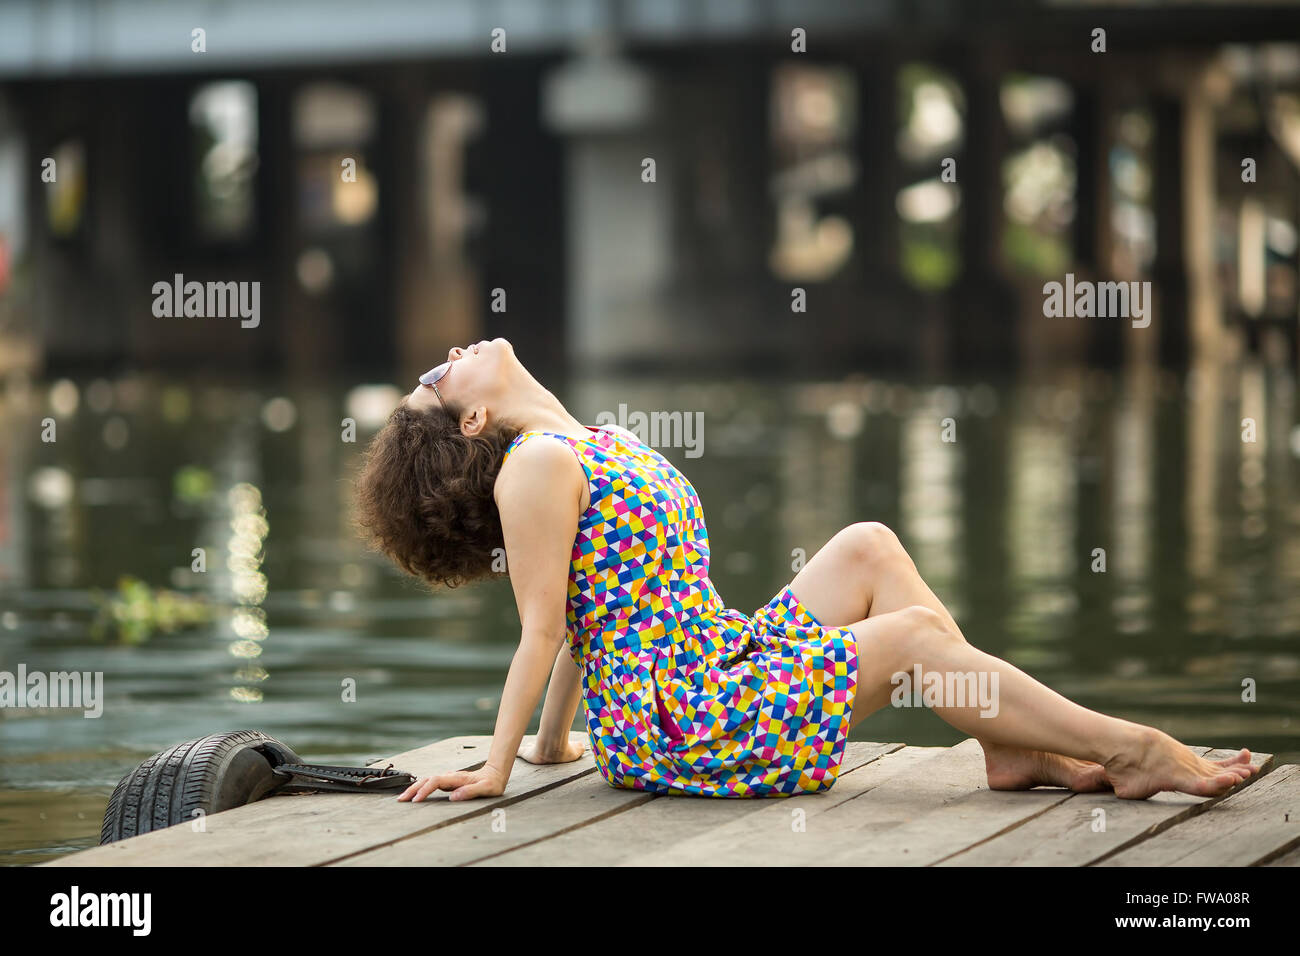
540	478
522	449
537	455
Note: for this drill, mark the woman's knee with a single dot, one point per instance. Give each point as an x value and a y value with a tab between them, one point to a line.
899	639
872	544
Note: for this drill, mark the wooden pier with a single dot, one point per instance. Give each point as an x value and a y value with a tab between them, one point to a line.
893	805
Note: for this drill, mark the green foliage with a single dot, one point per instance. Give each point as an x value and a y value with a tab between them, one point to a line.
135	612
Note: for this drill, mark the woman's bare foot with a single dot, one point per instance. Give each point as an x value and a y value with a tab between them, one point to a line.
1011	768
1157	762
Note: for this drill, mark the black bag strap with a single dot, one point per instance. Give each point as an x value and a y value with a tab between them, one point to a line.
308	777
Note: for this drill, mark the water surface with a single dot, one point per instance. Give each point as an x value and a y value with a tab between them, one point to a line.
1199	593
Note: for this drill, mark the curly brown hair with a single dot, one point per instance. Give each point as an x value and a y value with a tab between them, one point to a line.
424	494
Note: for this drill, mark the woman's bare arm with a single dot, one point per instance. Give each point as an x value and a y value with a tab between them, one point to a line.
538	493
561	707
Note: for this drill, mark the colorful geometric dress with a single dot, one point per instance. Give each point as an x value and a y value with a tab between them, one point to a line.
681	693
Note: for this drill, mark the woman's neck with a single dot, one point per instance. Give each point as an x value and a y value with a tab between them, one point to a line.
539	410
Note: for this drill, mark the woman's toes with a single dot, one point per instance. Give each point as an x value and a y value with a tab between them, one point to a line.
1232	766
1226	781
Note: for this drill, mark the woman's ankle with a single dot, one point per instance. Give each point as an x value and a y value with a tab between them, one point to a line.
1127	743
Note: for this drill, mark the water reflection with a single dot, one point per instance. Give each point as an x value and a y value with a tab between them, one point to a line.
1131	558
930	502
1198	591
1042	539
246	584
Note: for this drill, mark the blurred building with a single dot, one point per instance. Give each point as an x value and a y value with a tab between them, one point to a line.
402	176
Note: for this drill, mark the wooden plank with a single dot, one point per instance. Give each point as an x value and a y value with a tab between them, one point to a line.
937	810
1065	835
1289	858
772	832
948	829
847	828
1248	827
892	805
577	803
310	829
667	818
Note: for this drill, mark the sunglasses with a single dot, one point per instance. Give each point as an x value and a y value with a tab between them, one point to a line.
433	377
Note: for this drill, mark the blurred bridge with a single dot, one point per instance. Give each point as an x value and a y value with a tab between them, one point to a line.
400	176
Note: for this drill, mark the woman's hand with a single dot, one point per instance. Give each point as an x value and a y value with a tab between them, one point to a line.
463	784
566	752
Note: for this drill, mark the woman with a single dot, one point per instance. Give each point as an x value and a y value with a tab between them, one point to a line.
608	556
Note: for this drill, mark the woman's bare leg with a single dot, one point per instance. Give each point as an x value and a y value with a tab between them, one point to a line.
863	573
1139	761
